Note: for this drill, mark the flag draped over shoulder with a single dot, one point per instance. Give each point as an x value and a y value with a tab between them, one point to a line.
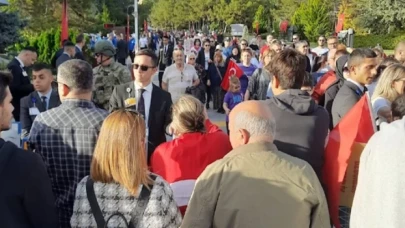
232	70
64	24
344	145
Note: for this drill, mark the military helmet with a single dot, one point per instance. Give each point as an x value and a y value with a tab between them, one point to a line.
104	47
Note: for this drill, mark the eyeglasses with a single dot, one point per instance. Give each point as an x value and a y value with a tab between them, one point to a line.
142	67
207	45
321	40
244	44
191	58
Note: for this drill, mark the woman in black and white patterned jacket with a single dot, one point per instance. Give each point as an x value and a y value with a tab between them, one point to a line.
122	181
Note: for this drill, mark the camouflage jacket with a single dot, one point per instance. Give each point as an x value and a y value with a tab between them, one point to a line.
105	79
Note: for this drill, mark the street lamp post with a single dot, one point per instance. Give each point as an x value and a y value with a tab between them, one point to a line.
136	25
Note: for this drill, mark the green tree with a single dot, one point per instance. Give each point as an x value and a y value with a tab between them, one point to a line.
10	29
346	7
105	15
312	18
260	18
382	16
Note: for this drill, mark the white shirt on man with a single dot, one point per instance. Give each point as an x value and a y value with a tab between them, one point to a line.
178	81
147	97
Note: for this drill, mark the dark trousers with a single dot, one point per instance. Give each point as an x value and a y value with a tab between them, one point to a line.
132	56
227	127
208	91
160	78
221	99
122	61
216	97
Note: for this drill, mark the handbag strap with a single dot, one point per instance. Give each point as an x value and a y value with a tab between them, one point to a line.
138	211
95	208
219	73
143	201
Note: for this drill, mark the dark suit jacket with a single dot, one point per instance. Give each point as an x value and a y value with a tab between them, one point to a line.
165	59
159	112
56	56
26	197
27	103
201	57
122	49
79	54
63	58
348	95
20	86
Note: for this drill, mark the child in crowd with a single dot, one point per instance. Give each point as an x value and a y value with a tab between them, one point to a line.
233	97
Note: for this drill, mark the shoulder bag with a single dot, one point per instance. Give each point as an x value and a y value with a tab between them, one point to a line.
137	213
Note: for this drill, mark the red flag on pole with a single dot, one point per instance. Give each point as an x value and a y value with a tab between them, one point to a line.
233	69
65	24
355	128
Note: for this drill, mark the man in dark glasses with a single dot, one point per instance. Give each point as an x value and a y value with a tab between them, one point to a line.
107	74
149	100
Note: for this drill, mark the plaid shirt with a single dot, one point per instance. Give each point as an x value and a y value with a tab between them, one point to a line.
65	137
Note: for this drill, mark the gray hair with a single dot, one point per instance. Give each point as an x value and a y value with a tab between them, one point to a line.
300	44
255	125
76	74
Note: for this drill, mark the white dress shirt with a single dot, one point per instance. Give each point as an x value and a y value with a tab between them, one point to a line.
147	97
357	84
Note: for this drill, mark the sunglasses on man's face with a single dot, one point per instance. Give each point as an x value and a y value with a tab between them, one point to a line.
142	67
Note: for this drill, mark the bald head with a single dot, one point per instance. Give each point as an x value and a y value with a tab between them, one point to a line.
251	121
400	52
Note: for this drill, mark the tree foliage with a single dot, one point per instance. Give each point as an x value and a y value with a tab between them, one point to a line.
215	13
347	8
260	18
9	29
381	16
312	18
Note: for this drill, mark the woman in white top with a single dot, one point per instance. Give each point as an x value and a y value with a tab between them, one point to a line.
179	76
390	85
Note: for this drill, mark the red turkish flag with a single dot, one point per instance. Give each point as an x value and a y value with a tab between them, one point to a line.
232	70
64	24
356	127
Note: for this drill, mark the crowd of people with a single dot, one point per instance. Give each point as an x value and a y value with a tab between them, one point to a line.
98	154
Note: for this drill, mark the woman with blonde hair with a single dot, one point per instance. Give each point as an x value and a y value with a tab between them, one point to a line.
120	190
198	143
390	85
259	84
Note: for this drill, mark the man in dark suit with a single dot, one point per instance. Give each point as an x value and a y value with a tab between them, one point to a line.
69	51
149	100
26	198
165	57
58	53
80	42
362	67
21	85
41	100
122	50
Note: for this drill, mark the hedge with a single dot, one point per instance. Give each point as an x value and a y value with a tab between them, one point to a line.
387	41
46	43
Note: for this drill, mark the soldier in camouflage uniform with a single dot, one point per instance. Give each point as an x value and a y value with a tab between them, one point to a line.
107	74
